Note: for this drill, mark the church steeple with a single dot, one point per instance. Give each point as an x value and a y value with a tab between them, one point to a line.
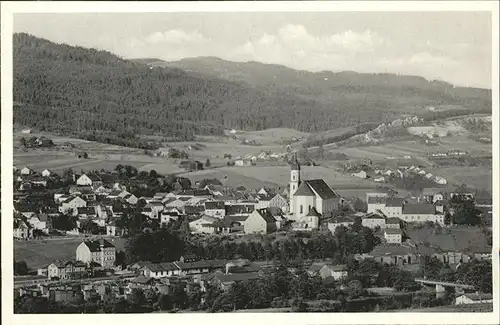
294	180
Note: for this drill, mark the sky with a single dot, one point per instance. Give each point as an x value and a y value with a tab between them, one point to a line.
450	46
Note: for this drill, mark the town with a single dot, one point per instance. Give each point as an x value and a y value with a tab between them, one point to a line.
205	246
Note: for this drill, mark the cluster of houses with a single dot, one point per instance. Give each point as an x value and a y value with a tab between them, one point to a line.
448	154
250	160
382	176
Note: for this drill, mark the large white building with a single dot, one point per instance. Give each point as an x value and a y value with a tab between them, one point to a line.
100	251
310	194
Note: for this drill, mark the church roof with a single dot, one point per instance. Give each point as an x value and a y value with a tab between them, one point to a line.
294	165
304	190
324	191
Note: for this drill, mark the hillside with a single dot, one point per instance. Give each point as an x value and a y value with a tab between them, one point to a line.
409	93
79	91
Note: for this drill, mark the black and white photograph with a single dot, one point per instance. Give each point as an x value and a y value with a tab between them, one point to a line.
250	161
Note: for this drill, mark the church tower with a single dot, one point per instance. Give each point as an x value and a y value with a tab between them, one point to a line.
294	181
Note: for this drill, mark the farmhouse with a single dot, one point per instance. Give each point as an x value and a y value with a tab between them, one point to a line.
99	251
432	194
65	270
89	180
279	201
46	173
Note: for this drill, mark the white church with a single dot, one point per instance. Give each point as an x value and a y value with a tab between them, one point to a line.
310	199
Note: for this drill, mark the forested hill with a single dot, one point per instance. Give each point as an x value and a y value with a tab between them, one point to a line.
408	93
77	90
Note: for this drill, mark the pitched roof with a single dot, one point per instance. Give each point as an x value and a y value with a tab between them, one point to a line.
324	191
419	208
335	267
392	231
479	296
377	199
266	215
95	245
215	205
373	216
387	250
394	202
159	267
393	220
237	277
304	190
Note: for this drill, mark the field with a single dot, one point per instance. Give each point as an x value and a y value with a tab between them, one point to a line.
474	177
256	177
37	253
451	239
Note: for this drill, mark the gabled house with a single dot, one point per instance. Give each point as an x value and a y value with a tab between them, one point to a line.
46	173
41	222
393	236
26	171
373	220
216	209
260	221
71	204
22	230
66	270
201	225
337	272
99	251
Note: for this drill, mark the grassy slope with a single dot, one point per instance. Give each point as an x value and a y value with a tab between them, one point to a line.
38	253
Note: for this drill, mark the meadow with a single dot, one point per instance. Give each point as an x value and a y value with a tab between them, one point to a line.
453	239
39	253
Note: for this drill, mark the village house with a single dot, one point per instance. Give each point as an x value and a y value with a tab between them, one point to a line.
71	204
393	207
85	180
260	221
340	221
462	191
279	201
263	201
474	298
373	220
376	202
200	225
421	212
41	222
159	270
440	180
433	194
216	209
46	173
393	223
156	208
22	230
99	251
26	171
337	272
393	236
113	230
361	174
66	270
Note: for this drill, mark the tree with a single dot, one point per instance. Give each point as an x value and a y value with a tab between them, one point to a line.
466	212
355	289
405	281
20	268
360	205
207	163
22	141
121	259
476	273
430	267
137	297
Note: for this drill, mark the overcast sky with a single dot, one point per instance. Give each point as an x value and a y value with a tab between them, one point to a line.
450	46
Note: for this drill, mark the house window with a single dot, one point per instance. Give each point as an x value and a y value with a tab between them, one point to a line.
293	177
301	209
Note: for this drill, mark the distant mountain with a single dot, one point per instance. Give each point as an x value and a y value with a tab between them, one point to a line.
76	90
409	93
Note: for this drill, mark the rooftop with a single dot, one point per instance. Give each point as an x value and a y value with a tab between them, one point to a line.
419	208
